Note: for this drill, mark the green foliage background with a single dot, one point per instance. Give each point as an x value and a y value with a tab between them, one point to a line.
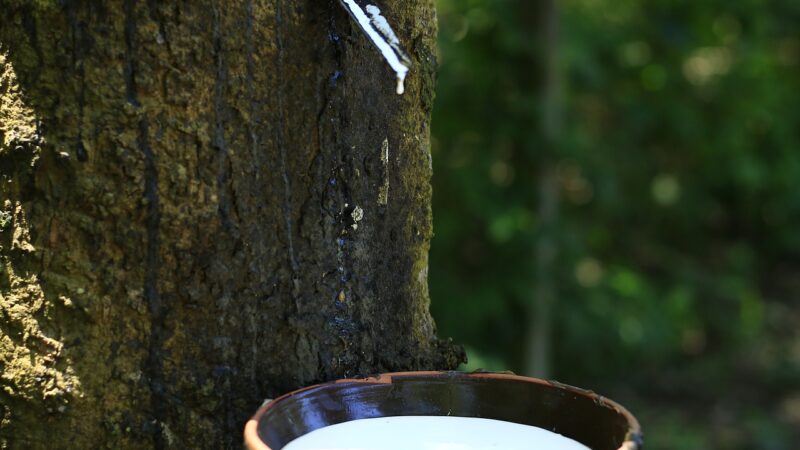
678	271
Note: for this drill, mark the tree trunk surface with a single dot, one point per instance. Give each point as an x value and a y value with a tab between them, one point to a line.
203	204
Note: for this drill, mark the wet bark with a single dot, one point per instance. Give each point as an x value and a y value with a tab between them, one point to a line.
198	210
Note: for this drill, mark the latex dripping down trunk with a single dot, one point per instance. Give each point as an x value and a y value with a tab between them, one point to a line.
380	33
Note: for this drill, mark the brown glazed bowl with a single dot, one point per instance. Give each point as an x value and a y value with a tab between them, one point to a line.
584	416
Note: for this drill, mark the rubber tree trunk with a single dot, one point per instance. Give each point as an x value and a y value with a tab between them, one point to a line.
203	204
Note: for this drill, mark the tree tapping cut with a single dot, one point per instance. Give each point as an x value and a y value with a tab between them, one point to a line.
377	28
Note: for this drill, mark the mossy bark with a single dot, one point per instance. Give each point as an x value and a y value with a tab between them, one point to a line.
194	214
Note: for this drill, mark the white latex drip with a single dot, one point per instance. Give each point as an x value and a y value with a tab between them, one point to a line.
381	34
382	24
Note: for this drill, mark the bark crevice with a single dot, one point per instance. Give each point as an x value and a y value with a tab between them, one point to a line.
154	363
224	190
280	131
129	7
158	332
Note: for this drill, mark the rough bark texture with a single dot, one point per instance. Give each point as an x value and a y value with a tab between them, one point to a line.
193	214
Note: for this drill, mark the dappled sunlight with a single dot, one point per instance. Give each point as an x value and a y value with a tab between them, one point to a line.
34	366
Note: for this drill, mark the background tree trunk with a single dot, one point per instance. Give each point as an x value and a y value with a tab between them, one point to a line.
542	308
192	218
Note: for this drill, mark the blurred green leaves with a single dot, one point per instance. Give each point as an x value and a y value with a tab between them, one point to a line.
679	252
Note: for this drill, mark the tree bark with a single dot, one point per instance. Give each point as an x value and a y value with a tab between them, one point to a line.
198	211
